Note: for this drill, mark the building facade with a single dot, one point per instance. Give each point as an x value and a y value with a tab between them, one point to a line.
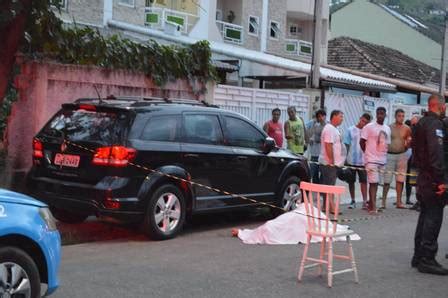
279	27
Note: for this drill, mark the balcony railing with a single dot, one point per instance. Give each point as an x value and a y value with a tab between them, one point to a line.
301	48
157	17
230	32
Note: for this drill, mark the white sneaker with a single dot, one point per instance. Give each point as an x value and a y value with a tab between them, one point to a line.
352	205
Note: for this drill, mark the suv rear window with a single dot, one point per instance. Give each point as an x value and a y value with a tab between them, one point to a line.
87	126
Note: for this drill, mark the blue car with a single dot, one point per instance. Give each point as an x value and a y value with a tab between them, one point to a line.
30	246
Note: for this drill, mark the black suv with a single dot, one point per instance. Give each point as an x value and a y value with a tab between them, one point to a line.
120	159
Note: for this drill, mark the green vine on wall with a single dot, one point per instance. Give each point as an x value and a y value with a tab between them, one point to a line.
163	63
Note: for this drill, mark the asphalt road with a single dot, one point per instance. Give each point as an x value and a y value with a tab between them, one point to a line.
206	262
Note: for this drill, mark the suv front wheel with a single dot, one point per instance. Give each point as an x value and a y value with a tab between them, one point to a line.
165	214
290	193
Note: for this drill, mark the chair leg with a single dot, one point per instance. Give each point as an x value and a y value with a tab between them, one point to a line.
305	255
330	262
322	254
352	258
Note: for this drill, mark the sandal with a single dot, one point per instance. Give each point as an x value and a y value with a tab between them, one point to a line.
401	207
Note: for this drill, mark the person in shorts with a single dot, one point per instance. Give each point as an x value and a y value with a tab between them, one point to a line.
375	138
332	152
355	160
397	157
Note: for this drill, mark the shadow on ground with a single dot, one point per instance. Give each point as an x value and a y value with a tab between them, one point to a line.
94	229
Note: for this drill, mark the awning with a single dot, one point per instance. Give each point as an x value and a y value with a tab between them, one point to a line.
227	67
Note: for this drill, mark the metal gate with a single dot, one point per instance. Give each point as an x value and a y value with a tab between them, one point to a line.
257	104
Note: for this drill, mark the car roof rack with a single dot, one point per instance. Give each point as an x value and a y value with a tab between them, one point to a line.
138	100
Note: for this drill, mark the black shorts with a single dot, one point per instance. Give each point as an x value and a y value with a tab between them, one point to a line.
362	174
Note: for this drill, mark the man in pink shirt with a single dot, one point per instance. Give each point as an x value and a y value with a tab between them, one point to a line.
274	127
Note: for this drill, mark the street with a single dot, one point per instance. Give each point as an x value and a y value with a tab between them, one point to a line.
205	261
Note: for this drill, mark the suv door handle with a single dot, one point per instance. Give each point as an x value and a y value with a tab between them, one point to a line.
241	157
191	155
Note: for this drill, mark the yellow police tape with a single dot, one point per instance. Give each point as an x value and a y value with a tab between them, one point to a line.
340	220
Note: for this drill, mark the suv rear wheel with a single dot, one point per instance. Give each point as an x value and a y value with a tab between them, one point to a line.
67	216
290	194
19	276
165	214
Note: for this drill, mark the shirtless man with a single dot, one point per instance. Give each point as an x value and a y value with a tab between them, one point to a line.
397	159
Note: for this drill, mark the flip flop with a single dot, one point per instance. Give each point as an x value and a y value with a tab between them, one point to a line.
401	207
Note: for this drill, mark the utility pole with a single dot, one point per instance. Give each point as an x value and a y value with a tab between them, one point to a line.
317	44
443	66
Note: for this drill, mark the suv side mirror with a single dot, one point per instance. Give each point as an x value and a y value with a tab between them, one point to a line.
268	145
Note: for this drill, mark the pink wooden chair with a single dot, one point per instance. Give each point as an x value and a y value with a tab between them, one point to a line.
324	227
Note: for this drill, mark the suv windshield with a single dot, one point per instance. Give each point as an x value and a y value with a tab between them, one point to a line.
87	126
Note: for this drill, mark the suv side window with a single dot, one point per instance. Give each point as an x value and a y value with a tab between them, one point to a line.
242	134
202	129
162	129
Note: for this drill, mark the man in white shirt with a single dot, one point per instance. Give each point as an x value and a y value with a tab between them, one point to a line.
332	151
375	138
355	159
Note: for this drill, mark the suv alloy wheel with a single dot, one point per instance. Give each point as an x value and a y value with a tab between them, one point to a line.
291	194
165	214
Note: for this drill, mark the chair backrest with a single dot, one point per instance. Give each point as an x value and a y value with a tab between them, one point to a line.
312	194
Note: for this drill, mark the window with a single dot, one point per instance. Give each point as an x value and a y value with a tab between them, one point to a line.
202	129
178	20
305	48
293	29
275	30
253	25
152	18
82	125
162	129
242	134
129	3
291	47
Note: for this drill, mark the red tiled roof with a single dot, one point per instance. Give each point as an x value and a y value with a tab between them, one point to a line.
375	59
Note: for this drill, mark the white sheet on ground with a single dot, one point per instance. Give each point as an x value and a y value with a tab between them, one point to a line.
288	228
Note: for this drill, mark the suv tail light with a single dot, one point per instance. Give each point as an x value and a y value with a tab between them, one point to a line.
38	149
115	156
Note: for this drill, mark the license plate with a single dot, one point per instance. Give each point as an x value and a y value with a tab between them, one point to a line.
66	160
